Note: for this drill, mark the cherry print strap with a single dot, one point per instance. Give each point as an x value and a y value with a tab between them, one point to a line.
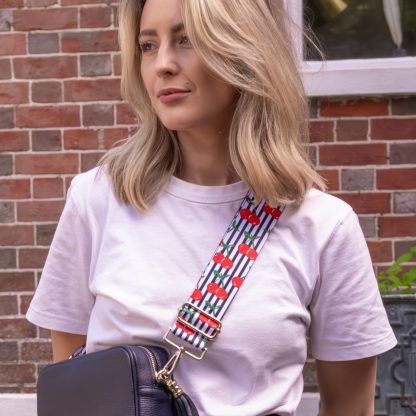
199	320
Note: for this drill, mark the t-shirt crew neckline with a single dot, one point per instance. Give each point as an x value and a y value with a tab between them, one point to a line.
206	194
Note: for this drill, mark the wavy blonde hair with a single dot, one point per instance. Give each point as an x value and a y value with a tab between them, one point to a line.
246	43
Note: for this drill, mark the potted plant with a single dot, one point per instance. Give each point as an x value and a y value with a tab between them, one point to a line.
396	372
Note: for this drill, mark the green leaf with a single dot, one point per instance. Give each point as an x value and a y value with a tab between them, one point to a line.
404	258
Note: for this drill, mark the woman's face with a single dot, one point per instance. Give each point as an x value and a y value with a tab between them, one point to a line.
169	61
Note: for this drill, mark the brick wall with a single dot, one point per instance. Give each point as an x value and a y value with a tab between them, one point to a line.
60	108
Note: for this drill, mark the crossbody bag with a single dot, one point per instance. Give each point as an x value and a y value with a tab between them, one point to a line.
137	380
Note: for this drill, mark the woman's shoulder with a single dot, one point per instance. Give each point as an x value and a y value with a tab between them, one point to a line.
91	190
319	214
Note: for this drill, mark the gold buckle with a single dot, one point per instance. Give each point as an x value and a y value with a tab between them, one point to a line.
182	348
208	317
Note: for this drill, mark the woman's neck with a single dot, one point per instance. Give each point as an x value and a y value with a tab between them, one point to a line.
205	159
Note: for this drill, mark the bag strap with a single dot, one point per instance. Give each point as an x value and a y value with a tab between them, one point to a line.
198	321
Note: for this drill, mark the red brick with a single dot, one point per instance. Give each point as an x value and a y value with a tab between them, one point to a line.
95	17
403	226
40	3
381	251
43	43
81	139
17	329
14	93
403	106
36	351
321	131
9	351
32	258
47	163
352	130
331	177
95	90
48	116
7	258
401	178
5	69
367	203
393	129
47	92
14	141
89	160
75	2
46	67
354	108
25	303
11	4
115	16
46	19
48	188
16	235
117	65
44	234
6	118
14	188
39	210
17	281
403	153
357	154
17	373
98	114
46	140
8	305
95	65
112	137
13	44
125	115
99	41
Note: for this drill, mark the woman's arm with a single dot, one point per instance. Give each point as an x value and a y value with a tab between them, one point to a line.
347	387
64	344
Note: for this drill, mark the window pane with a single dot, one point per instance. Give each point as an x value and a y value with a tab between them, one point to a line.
351	29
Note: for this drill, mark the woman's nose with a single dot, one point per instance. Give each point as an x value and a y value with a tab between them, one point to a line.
166	63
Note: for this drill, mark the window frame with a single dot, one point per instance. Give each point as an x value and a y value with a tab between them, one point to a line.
350	76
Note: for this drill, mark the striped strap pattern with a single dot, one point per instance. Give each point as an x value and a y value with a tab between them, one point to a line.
198	321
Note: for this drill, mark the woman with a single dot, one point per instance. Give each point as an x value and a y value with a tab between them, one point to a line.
222	108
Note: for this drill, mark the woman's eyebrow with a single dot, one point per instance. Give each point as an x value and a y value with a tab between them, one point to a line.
151	32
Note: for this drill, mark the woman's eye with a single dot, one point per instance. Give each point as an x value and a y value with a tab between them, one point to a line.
145	46
184	40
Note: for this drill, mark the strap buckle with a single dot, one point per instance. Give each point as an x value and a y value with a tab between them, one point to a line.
182	348
213	323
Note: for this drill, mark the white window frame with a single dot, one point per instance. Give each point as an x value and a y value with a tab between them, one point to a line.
351	76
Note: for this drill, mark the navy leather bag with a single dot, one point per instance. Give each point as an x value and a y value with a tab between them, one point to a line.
119	381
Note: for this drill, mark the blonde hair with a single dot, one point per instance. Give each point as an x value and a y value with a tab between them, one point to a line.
246	44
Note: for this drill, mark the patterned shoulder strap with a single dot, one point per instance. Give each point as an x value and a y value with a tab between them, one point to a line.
199	319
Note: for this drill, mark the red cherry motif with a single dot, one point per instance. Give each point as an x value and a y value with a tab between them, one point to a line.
207	320
227	263
212	287
245	213
253	219
276	213
221	294
267	208
197	295
184	328
237	281
252	254
242	248
218	257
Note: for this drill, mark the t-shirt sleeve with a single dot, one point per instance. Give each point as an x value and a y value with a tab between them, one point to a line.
63	301
348	319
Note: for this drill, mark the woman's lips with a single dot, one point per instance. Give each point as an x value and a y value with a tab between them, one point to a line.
168	98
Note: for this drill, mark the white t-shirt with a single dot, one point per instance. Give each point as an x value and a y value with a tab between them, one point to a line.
119	277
